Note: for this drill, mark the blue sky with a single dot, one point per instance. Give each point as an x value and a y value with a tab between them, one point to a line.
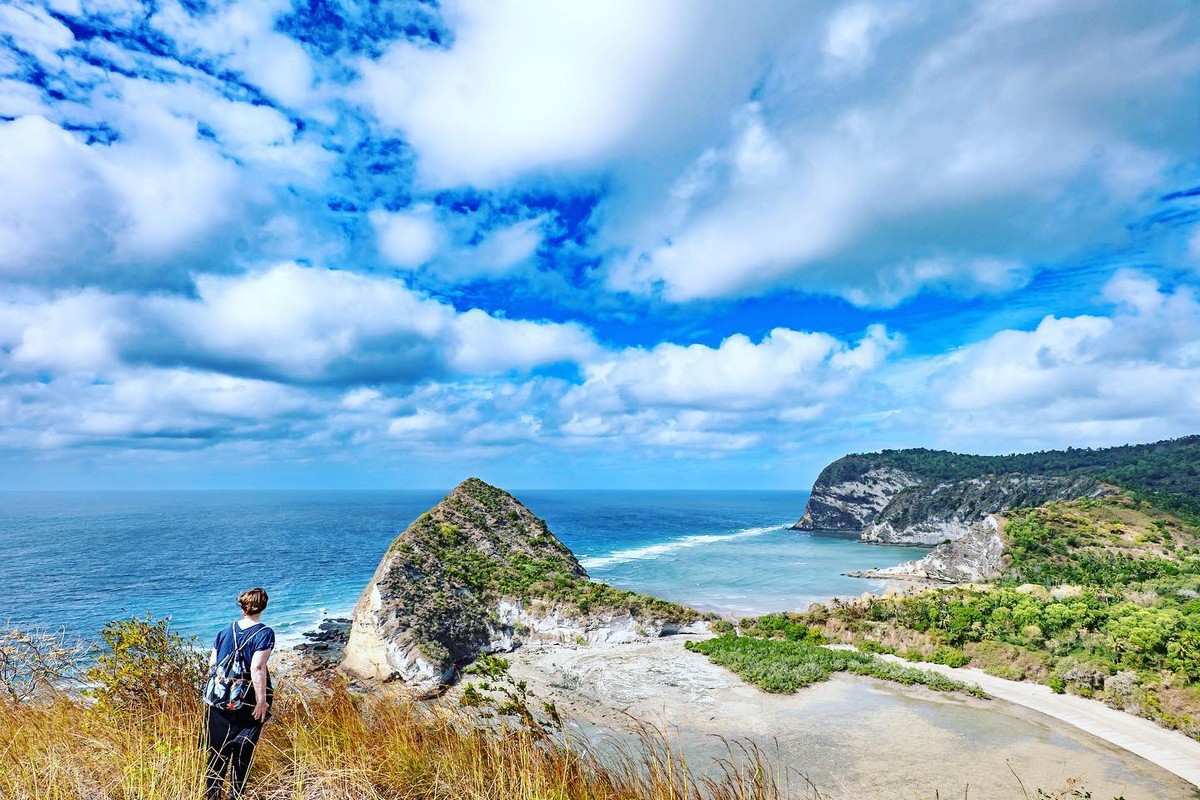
324	243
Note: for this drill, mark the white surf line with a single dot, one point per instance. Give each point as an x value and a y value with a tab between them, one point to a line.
1168	749
662	548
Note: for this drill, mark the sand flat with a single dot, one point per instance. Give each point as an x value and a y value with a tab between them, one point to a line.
853	737
1168	749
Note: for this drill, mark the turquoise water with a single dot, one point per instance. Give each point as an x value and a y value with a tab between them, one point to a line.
77	559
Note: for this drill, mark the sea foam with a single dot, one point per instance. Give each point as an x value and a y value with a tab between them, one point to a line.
653	551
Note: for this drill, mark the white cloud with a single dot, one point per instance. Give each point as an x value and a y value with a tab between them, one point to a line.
79	332
786	367
317	325
454	249
712	399
992	143
487	344
852	35
256	135
407	239
175	189
66	206
534	86
1099	380
52	201
150	408
176	403
290	324
18	99
242	35
35	31
967	277
509	246
507	96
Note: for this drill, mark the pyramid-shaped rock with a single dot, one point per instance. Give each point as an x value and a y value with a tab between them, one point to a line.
473	575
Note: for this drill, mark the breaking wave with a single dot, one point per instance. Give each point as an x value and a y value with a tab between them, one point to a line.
652	551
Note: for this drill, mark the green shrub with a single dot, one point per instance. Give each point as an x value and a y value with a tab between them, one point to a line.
950	656
488	666
143	666
781	665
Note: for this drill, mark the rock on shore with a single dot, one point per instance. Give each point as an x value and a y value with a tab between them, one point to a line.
977	557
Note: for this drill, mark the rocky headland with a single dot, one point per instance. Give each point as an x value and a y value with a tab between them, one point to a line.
924	497
955	503
480	573
890	504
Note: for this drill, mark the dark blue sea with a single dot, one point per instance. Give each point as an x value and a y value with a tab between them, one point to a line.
75	560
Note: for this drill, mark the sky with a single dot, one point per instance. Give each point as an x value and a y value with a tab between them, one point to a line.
644	244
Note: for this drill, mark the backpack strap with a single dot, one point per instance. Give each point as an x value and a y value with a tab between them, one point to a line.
256	627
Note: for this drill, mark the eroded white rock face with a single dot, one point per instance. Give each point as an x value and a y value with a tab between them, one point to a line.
975	557
539	621
851	505
934	513
371	656
934	531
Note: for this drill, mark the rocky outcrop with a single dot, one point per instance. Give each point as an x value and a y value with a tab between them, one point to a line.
476	574
897	497
976	557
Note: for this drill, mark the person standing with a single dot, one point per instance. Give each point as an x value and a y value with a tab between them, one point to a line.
232	735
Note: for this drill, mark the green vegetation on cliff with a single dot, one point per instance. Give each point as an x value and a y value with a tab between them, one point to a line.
1166	472
1111	541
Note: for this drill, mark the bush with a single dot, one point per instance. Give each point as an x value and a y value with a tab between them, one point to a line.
144	665
721	626
35	665
950	656
783	665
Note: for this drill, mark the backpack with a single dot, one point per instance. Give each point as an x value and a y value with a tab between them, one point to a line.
229	687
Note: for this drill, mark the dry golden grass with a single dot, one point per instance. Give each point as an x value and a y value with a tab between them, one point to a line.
333	745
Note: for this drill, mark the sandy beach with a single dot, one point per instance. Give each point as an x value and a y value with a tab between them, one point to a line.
862	738
1168	749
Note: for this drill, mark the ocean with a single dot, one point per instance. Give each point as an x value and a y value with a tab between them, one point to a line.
74	560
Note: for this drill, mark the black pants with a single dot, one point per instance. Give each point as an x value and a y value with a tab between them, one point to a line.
231	739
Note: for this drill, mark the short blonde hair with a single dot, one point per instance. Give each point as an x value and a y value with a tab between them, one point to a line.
253	601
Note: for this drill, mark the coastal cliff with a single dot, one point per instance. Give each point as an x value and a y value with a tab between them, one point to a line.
923	497
932	513
478	573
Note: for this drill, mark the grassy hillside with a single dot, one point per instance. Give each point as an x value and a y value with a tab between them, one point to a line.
136	734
